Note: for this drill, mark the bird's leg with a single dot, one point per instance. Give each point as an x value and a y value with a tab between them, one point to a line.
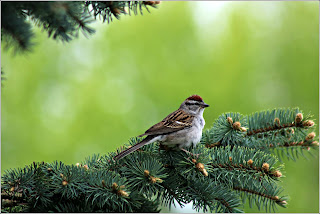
190	153
164	147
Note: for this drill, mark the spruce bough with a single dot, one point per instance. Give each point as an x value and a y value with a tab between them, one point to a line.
237	161
62	20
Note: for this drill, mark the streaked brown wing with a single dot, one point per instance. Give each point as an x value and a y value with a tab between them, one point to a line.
175	121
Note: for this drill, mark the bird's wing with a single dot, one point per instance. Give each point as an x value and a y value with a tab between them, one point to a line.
175	121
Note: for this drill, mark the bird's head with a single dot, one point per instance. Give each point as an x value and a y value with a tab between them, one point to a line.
194	104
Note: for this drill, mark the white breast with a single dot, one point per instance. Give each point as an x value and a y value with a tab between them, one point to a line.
186	137
199	124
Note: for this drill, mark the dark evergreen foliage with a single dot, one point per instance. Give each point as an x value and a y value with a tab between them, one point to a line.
61	19
233	164
2	77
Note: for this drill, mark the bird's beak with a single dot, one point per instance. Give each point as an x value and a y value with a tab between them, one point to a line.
204	105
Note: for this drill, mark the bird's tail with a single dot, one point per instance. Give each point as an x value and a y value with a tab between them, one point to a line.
135	147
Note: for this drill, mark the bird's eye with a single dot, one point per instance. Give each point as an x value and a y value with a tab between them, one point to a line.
191	104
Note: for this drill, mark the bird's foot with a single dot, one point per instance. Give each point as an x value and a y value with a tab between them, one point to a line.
163	147
190	153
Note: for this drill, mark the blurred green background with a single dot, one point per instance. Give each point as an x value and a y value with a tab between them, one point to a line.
68	101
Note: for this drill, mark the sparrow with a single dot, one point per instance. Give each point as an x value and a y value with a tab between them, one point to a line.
182	127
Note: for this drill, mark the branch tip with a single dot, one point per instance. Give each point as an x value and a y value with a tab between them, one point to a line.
265	167
310	136
123	193
146	173
212	145
283	202
114	186
151	2
230	121
277	174
308	123
204	172
243	129
153	180
298	118
200	166
236	125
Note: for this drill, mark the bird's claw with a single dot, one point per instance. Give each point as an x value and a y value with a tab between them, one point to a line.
190	153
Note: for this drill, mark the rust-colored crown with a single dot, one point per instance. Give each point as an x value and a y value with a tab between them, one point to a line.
195	97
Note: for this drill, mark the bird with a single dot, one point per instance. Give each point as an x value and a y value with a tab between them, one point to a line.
182	127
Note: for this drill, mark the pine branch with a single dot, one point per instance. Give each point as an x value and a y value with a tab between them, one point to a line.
145	174
217	198
243	162
269	198
3	78
266	130
15	31
228	129
213	178
62	20
173	193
